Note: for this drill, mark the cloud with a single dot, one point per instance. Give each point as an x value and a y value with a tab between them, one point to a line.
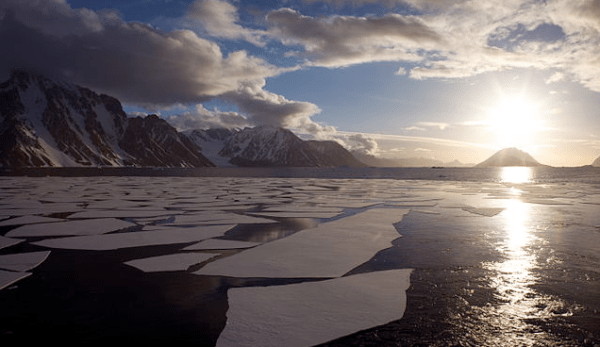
414	128
452	39
338	41
132	61
219	19
201	118
361	143
441	126
145	66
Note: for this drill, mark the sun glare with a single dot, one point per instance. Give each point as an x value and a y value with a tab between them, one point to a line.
515	122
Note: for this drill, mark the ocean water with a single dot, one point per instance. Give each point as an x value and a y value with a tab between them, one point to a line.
301	257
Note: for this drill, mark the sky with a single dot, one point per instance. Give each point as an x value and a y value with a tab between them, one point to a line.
440	79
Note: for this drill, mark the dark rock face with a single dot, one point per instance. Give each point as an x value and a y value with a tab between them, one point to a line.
509	157
49	123
155	143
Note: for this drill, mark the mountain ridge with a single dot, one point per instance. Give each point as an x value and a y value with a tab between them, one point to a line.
509	157
44	122
49	123
269	146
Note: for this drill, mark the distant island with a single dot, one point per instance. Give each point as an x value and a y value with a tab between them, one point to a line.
509	157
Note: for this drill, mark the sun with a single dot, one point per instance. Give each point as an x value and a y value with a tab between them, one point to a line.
515	121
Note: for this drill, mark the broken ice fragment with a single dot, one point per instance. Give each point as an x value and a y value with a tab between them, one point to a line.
8	277
483	211
171	262
311	313
221	244
7	242
217	218
165	236
29	220
80	227
22	261
329	250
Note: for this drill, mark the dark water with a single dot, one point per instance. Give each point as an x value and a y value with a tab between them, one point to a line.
529	276
474	286
587	174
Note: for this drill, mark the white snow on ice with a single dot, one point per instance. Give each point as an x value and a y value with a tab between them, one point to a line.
220	244
329	250
8	277
22	261
7	242
170	262
165	236
29	220
310	313
80	227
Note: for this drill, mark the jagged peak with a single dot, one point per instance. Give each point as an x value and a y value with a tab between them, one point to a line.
24	78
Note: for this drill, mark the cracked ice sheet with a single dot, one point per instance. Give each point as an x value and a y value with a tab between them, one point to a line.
329	250
139	213
8	277
170	262
22	261
164	236
311	313
29	220
80	227
217	218
301	214
7	242
221	244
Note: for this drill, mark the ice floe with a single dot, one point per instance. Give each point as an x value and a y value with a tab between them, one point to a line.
164	236
170	262
329	250
217	218
29	220
80	227
483	211
324	215
8	277
311	313
7	242
122	213
221	244
22	261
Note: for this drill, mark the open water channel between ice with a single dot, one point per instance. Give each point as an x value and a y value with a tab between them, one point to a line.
453	258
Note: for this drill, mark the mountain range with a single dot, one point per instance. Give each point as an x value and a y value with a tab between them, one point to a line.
269	146
50	123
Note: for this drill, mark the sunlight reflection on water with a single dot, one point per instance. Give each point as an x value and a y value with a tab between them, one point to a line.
516	174
514	278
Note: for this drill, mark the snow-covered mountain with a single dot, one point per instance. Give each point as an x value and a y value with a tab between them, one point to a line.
269	146
510	157
51	123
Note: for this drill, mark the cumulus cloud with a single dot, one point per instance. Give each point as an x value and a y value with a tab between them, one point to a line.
201	118
338	41
145	66
453	39
265	108
132	61
361	143
220	18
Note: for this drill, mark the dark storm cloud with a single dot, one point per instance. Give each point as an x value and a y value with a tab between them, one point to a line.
132	61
